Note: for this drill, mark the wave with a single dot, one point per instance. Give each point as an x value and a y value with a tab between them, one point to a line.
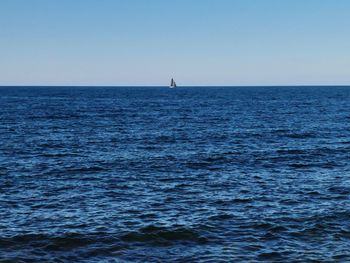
162	235
149	234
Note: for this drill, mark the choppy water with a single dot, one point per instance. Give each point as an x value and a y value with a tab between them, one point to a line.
185	175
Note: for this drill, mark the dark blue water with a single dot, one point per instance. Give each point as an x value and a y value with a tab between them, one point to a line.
185	175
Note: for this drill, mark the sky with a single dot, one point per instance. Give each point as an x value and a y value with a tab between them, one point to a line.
198	42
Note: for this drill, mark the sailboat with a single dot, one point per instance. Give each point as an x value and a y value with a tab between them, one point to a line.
172	84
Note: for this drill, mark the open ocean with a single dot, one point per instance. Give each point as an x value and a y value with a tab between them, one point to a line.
196	174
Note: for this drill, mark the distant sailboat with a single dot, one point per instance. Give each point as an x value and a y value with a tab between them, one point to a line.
172	84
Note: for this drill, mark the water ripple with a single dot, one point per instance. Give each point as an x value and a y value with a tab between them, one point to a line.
187	175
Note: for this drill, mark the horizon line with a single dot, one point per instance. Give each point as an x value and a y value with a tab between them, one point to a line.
181	86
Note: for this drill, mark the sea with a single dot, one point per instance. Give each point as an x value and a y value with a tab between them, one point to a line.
192	174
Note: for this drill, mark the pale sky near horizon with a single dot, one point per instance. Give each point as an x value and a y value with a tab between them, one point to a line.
198	42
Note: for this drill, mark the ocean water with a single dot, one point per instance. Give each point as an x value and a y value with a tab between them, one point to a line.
150	174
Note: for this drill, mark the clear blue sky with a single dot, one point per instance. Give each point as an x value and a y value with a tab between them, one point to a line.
198	42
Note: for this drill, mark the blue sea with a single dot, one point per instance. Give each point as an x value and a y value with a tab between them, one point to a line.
192	174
